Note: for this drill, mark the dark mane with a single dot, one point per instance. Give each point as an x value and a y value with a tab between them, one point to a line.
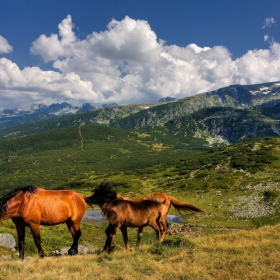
8	196
103	193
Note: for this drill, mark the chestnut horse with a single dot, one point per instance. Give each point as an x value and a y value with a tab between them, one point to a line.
160	197
32	206
122	214
168	200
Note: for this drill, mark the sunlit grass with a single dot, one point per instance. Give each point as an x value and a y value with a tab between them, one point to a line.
245	254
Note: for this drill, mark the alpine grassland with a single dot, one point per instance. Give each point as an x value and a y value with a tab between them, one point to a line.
236	185
243	254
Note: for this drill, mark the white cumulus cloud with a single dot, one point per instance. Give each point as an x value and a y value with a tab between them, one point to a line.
5	47
33	85
268	22
51	48
127	63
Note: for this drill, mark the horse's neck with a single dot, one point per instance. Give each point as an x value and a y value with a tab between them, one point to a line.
12	209
104	208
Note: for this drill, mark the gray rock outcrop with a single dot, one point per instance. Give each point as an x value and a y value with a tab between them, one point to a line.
7	240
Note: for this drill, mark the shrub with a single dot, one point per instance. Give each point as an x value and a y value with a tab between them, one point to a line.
269	196
171	242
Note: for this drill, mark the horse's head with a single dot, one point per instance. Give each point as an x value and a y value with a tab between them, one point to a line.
103	193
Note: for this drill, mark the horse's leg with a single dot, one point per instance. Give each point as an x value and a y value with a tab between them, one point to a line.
163	226
35	229
110	232
107	231
21	237
163	220
139	235
155	226
74	228
125	237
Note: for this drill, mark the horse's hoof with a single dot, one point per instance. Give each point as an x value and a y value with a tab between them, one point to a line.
72	252
111	249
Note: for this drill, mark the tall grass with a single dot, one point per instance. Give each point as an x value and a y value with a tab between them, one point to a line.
250	254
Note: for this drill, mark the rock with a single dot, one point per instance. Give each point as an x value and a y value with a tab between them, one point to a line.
7	240
7	257
251	207
81	248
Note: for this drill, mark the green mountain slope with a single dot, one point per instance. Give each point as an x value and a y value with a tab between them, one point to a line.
99	117
59	157
227	125
236	96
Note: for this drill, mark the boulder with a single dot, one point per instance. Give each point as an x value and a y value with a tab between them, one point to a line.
7	240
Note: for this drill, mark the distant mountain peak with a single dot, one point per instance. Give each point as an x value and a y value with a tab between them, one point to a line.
167	99
109	105
86	107
58	109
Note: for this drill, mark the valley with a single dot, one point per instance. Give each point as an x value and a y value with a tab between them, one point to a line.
223	157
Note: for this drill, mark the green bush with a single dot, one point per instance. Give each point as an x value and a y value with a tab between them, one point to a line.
171	242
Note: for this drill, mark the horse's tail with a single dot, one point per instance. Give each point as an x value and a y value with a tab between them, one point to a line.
182	206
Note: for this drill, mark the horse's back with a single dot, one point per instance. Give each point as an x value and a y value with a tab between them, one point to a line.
57	206
138	205
62	196
133	213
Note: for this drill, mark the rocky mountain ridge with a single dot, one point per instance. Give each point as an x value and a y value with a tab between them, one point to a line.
58	109
235	96
226	115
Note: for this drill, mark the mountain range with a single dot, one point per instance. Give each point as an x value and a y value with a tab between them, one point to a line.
226	115
58	109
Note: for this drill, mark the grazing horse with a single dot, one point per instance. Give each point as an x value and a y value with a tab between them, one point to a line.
122	214
32	206
160	197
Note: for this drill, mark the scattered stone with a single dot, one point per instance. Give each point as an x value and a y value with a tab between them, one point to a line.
7	240
81	248
251	207
7	257
262	187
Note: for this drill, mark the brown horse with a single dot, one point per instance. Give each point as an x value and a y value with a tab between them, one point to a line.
32	206
122	214
160	197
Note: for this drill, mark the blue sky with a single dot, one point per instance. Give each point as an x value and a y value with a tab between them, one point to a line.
133	51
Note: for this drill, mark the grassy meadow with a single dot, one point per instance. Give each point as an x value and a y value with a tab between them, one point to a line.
242	254
236	185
